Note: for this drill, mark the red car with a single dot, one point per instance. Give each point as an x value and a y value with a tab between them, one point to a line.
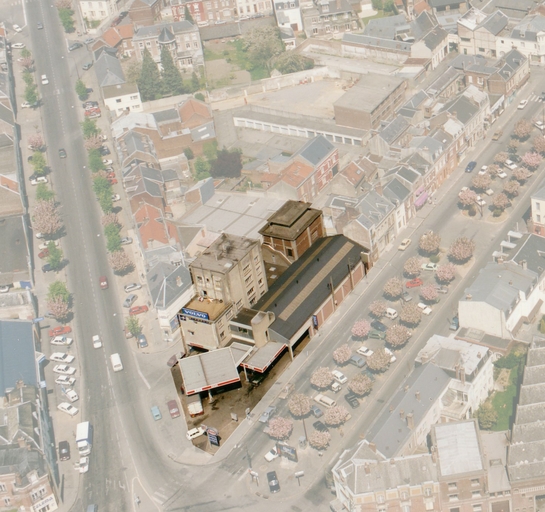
173	409
43	254
413	283
110	175
59	331
112	181
103	282
137	310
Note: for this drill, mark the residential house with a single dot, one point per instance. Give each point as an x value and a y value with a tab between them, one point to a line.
144	13
401	197
204	12
391	138
329	17
254	7
527	36
478	32
119	37
134	146
448	7
374	98
107	68
154	230
351	179
288	14
97	10
122	98
538	211
181	38
144	185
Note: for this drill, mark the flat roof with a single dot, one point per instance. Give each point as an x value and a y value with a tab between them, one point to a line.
212	307
290	220
263	357
458	448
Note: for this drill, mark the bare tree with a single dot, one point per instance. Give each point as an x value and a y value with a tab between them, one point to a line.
378	361
412	266
93	142
538	144
467	197
429	293
319	440
36	141
378	308
26	62
513	145
110	218
342	354
46	218
335	416
299	405
361	329
521	174
397	335
511	188
393	288
445	273
63	4
429	242
501	157
321	378
461	249
410	314
523	129
360	384
280	428
120	262
531	160
501	201
481	181
58	308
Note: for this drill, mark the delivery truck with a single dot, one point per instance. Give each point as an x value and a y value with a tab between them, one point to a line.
84	438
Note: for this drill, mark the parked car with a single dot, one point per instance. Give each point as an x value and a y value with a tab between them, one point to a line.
75	46
62	153
106	161
126	240
510	164
64	369
195	432
484	170
429	266
414	283
44	79
137	310
406	296
393	358
36	180
115	197
47	268
364	351
320	426
67	408
471	166
352	400
71	395
316	411
272	454
17	28
45	245
43	254
142	341
272	479
455	323
357	360
379	326
441	289
339	377
426	310
103	282
132	287
64	450
104	150
87	65
61	357
404	244
89	40
522	104
502	175
18	46
376	335
61	339
83	465
129	301
173	409
156	413
64	380
60	330
480	201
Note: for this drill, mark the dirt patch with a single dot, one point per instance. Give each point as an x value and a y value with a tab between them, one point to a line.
503	378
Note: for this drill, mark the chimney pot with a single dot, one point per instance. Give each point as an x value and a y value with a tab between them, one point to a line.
402	414
367	469
410	421
373	447
417	395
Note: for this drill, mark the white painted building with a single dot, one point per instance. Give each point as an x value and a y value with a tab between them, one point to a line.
528	37
92	10
253	7
288	14
122	98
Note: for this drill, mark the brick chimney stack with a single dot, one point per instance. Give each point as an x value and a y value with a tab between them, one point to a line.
410	421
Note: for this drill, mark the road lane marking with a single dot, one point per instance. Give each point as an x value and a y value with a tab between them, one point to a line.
140	372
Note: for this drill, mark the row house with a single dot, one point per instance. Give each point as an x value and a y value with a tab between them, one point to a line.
97	10
288	14
119	37
478	32
351	180
144	13
329	17
154	229
527	36
254	8
181	38
204	11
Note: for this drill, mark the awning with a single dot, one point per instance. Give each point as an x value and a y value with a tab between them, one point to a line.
421	200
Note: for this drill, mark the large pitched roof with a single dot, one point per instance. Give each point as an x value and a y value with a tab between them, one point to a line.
17	356
315	150
108	70
167	282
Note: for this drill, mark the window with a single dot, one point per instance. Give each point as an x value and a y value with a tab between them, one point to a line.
134	97
118	100
192	333
7	501
475	481
2	488
453	497
452	486
427	491
477	508
538	206
475	494
380	498
290	253
222	334
315	31
481	50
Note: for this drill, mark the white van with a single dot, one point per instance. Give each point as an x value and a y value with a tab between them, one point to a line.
391	313
117	365
325	400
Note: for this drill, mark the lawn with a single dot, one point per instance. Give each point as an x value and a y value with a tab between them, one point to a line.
504	402
234	53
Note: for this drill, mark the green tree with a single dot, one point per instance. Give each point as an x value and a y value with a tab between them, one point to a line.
28	77
95	160
54	257
188	152
210	150
389	6
290	62
101	186
486	415
227	165
171	79
202	168
199	96
89	128
113	239
66	19
43	193
133	72
25	53
38	162
58	289
105	201
377	5
81	90
149	82
133	324
263	44
187	15
31	94
195	82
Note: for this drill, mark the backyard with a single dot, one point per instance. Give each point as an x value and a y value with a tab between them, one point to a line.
503	402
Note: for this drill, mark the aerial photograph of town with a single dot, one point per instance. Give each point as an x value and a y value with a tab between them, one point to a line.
272	255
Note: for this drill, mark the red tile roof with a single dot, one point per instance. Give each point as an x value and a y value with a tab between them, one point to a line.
152	225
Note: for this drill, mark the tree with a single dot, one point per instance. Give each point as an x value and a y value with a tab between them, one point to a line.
319	440
202	168
195	83
397	335
95	159
538	144
101	185
360	384
38	162
513	145
299	405
531	160
89	128
59	309
188	152
31	94
378	361
36	141
321	378
54	257
445	273
511	188
58	289
521	174
280	428
94	142
486	415
28	77
113	238
81	90
67	21
187	15
501	201
26	62
46	218
199	96
262	44
393	288
134	70
493	169
481	182
378	308
43	193
149	82
290	62
501	157
171	78
335	416
467	197
132	324
105	202
25	53
110	218
429	242
461	249
523	129
227	165
361	328
120	262
412	266
342	354
410	314
63	4
210	150
429	293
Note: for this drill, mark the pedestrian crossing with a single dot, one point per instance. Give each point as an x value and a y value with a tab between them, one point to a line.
536	98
